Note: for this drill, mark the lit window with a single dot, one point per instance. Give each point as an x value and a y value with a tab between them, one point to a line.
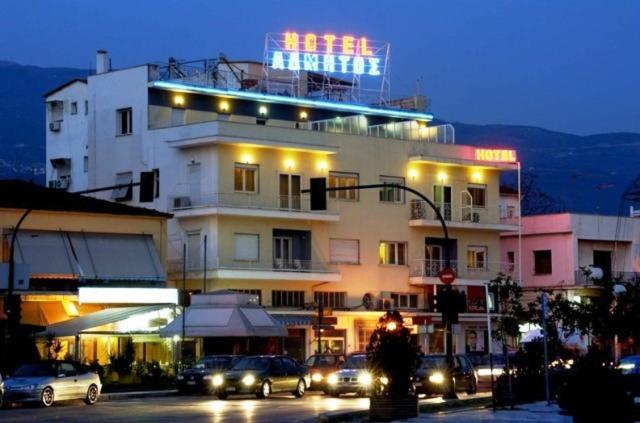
124	121
340	179
245	178
392	253
477	257
478	195
391	194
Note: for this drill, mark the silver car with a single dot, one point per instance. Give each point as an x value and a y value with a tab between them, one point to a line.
49	381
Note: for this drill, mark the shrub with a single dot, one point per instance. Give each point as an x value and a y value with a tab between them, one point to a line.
121	363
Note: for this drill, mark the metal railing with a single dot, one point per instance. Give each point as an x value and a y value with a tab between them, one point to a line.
623	276
420	210
274	265
289	203
479	270
406	130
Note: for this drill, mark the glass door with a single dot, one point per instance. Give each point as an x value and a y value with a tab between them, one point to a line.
434	257
442	200
289	190
282	252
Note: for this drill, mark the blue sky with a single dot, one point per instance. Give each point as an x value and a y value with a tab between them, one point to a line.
565	65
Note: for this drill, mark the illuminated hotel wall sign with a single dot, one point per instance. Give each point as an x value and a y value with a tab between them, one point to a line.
493	155
328	53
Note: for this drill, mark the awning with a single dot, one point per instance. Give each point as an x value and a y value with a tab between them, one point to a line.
108	316
224	314
293	319
90	256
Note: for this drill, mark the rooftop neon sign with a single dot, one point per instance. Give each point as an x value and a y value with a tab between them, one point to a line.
495	155
327	53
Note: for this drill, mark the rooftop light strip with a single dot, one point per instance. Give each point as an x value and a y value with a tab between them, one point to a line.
270	98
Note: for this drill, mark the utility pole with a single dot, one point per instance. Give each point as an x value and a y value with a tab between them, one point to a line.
320	314
184	300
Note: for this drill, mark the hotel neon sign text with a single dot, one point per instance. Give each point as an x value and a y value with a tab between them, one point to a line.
328	53
495	155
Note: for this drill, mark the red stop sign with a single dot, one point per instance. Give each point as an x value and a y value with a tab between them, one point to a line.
447	276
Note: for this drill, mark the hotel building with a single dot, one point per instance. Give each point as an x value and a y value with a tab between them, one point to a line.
230	161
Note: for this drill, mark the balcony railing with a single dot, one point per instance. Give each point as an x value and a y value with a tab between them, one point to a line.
289	203
406	130
582	279
420	210
478	270
273	265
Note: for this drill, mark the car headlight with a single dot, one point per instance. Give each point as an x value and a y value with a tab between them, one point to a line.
249	380
180	377
317	377
364	378
384	380
436	378
217	380
332	379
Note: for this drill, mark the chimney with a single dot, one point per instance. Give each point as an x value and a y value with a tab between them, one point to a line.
102	62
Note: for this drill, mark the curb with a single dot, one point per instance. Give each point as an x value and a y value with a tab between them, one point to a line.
115	396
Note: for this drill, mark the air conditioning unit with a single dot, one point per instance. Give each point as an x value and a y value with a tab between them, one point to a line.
181	202
62	183
54	126
386	302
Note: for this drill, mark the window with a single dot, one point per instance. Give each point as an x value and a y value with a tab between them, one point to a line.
393	253
156	179
331	299
85	164
193	251
338	179
477	257
124	121
391	194
287	298
511	260
542	262
345	251
290	366
246	247
67	369
123	193
478	195
245	178
364	330
257	292
86	107
74	107
405	300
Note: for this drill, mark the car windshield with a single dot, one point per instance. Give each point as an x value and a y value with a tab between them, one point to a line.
322	361
252	363
36	370
213	363
356	362
433	362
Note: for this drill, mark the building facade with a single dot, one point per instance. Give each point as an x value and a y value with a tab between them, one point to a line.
230	165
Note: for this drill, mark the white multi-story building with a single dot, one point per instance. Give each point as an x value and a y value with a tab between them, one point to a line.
231	163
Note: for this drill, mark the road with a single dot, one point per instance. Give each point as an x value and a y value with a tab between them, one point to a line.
280	408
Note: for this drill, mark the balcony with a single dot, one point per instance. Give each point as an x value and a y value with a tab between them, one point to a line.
582	280
426	272
493	218
274	269
249	205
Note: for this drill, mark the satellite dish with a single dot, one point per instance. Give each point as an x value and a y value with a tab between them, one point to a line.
367	301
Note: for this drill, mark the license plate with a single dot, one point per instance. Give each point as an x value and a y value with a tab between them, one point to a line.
231	388
636	400
191	382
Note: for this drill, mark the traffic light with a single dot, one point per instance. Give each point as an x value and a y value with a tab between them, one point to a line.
318	193
147	186
450	304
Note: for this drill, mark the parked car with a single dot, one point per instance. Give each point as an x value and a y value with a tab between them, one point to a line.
434	378
629	366
320	367
49	381
354	377
483	366
263	375
206	375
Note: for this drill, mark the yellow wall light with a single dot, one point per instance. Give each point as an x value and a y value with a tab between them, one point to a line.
289	163
247	158
322	166
304	116
178	100
224	106
442	176
413	174
476	176
262	111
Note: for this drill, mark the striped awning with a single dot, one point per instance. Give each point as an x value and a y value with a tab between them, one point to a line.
293	319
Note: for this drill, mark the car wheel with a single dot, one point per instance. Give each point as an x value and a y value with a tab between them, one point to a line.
473	388
92	395
300	389
265	390
47	396
222	395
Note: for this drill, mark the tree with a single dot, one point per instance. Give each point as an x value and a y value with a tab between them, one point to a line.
393	355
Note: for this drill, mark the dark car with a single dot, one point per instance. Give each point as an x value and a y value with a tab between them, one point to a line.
483	366
434	378
206	375
320	367
630	368
262	375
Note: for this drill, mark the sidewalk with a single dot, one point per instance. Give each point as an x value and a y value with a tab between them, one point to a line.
534	412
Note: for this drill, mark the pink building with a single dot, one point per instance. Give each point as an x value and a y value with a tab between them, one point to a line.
556	246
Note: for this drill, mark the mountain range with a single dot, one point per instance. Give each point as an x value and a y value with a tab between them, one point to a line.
586	174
